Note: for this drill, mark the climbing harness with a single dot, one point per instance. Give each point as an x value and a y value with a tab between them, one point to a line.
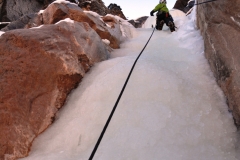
119	97
205	2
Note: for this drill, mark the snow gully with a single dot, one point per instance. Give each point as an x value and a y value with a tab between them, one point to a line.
116	103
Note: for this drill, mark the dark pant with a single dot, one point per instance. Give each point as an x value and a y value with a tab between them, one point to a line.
166	17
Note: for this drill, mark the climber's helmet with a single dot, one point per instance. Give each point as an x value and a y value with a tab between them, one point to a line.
162	1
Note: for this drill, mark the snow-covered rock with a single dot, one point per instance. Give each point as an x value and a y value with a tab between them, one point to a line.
48	59
39	68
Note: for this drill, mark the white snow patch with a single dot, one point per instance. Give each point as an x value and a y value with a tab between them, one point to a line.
188	34
107	42
150	22
37	27
88	2
41	11
1	33
61	1
68	20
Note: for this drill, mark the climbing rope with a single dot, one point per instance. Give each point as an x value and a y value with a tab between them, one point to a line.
119	97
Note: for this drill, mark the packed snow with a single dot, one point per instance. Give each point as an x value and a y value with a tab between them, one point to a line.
172	108
1	33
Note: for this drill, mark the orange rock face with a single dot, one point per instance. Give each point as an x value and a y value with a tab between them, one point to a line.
59	11
221	41
56	12
38	69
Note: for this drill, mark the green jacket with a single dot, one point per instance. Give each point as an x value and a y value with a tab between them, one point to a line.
161	7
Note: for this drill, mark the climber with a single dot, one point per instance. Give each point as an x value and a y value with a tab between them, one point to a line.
163	16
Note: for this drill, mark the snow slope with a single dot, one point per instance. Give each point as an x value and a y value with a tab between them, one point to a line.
172	108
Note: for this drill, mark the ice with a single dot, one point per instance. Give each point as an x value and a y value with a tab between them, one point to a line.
172	108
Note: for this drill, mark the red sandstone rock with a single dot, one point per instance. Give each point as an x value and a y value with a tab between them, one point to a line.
219	23
59	11
110	21
38	69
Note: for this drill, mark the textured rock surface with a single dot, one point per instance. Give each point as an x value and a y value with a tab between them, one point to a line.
12	10
114	9
181	4
27	21
99	7
1	6
3	24
219	23
56	12
38	68
138	22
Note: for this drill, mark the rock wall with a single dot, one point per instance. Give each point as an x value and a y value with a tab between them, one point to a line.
1	6
219	23
12	10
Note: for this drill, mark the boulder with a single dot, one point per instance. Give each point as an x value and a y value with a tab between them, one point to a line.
38	69
58	11
219	23
138	23
114	9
